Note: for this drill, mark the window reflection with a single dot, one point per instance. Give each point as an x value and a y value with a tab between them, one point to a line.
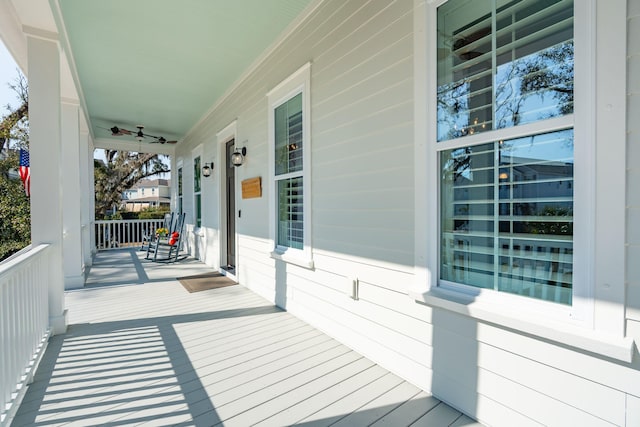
506	67
507	216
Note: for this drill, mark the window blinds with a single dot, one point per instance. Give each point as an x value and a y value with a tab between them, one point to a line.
506	213
289	166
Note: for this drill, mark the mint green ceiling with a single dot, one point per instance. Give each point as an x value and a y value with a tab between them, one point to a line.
164	63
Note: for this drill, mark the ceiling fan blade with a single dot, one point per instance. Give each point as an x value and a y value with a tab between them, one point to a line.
163	140
116	131
139	134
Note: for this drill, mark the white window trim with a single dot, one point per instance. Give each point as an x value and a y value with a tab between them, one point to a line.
596	321
179	165
195	153
296	83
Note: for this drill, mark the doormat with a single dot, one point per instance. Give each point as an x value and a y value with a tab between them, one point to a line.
203	282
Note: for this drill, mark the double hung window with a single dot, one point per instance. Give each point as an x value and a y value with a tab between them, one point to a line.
289	178
289	157
524	204
180	189
505	146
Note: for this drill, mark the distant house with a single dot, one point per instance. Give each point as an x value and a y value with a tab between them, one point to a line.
148	193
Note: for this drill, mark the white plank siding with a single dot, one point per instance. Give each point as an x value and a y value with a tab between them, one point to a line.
147	352
362	192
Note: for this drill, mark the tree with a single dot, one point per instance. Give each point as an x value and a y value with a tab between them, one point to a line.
15	125
15	215
120	171
15	209
535	87
550	72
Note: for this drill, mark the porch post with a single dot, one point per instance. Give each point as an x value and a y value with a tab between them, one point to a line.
92	201
46	164
71	196
87	195
173	176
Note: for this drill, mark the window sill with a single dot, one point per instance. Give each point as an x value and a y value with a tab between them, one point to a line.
300	261
619	348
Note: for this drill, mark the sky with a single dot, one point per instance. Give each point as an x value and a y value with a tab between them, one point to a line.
8	74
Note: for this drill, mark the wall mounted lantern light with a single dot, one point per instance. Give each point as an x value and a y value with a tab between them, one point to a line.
206	169
237	158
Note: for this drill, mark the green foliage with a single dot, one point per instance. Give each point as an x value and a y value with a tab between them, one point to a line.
153	213
116	216
15	209
9	248
14	127
129	215
562	226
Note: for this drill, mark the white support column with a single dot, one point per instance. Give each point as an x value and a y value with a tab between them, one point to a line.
71	196
87	196
173	176
46	165
92	201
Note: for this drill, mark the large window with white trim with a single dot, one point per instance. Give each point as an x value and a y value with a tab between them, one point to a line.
289	157
179	184
505	146
289	170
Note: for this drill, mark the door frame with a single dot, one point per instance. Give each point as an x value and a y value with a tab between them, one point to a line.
222	137
230	212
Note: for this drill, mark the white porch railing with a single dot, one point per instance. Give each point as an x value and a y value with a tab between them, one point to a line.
124	233
24	324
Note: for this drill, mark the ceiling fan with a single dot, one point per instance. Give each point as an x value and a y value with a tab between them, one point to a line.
139	135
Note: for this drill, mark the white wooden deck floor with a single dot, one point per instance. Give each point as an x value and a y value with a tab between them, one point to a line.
141	350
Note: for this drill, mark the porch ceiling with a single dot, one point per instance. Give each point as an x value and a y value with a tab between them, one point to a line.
164	63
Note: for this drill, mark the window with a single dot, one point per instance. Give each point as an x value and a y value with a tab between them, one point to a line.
503	63
289	173
180	189
197	197
506	202
289	147
516	221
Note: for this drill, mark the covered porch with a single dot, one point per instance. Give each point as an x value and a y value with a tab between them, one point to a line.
141	350
338	214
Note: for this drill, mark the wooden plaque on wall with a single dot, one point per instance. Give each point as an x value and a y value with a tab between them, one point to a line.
252	188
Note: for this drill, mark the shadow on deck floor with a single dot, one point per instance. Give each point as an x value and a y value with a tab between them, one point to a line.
141	350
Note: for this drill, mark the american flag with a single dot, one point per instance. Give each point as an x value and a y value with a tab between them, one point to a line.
25	173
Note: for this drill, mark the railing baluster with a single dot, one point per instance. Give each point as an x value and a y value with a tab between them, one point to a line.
124	233
24	323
